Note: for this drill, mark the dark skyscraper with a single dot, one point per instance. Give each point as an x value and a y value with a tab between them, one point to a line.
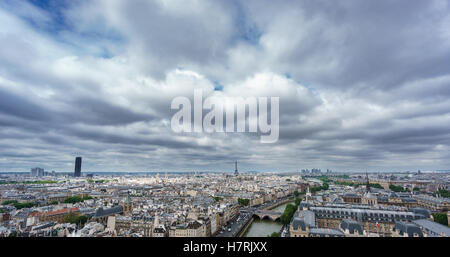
235	169
77	172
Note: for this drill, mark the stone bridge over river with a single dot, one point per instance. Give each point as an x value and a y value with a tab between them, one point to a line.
267	214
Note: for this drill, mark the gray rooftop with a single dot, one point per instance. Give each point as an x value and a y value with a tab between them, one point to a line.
352	225
432	226
304	219
108	212
422	211
326	231
408	228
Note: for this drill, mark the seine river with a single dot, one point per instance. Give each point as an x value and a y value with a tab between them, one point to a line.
263	228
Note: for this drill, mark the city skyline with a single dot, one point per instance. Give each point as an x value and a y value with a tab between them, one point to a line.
359	90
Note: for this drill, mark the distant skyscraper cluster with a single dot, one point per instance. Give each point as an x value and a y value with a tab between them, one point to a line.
77	172
37	172
312	171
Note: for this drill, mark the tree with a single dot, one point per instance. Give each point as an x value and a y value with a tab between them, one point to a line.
76	219
298	201
440	218
444	193
18	205
325	179
77	199
296	193
275	234
396	188
376	185
243	201
286	217
71	218
82	220
73	199
8	202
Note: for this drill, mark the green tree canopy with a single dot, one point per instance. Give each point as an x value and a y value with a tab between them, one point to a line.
76	219
18	205
275	234
444	193
288	213
77	199
396	188
440	218
243	201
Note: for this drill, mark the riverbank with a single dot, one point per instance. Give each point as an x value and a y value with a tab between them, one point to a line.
284	202
246	228
282	206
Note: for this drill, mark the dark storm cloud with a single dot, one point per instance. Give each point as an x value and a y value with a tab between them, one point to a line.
97	111
99	135
14	105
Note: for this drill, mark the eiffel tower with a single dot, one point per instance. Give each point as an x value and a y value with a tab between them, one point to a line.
236	172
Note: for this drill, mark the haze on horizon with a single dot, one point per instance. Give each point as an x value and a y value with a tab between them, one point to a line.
363	85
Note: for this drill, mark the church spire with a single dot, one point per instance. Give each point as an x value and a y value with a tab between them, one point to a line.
367	182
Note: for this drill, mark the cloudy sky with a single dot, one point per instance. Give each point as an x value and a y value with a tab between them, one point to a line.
363	85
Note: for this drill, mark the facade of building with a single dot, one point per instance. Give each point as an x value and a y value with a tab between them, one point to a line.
160	231
56	216
372	220
396	200
304	225
351	198
433	203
